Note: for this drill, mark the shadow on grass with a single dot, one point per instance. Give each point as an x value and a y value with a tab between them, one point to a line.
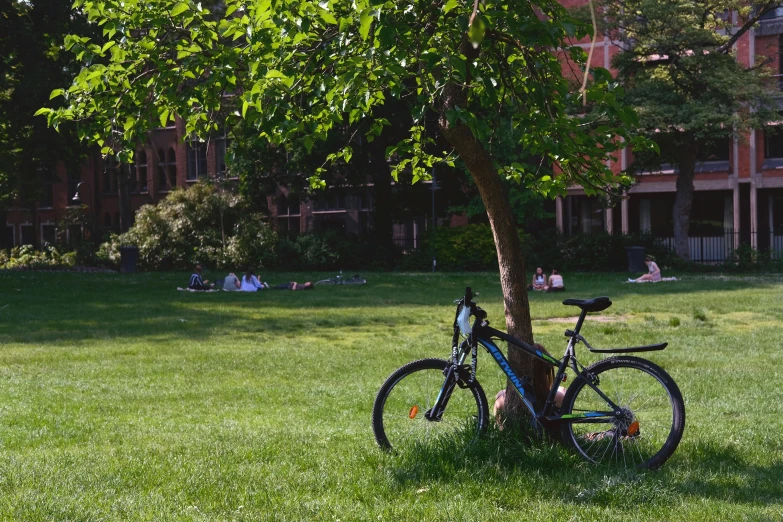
39	307
550	470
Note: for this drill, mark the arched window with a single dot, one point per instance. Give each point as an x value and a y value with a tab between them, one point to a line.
171	168
197	158
110	175
163	184
141	170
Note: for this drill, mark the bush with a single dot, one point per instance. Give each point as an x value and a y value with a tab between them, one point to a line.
28	258
203	224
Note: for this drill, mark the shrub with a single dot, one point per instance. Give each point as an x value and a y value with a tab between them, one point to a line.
203	224
28	258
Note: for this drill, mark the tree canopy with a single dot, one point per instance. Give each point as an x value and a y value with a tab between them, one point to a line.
32	63
296	69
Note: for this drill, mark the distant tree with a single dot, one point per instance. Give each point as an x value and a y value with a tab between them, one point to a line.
295	69
681	73
32	64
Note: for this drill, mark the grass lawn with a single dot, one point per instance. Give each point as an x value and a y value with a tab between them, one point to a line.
123	399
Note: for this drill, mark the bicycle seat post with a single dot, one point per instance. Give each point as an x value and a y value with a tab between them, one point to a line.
580	321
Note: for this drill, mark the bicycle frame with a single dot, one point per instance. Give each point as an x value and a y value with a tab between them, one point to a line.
483	334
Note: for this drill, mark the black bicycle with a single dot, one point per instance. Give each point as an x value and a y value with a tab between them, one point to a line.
622	409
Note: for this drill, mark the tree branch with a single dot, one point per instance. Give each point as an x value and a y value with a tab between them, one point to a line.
769	6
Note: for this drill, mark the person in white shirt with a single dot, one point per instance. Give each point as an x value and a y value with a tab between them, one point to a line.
654	273
539	280
555	282
250	282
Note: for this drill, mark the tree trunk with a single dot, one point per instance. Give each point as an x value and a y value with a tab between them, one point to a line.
511	261
123	194
683	200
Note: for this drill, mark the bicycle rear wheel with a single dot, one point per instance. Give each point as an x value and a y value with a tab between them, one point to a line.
651	422
398	417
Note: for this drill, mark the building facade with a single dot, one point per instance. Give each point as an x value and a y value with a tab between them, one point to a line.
738	195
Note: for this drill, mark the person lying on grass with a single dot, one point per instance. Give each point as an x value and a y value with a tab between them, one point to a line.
293	285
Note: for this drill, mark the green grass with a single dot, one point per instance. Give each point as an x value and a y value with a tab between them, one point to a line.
123	399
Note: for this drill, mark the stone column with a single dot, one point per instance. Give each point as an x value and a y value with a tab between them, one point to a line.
559	214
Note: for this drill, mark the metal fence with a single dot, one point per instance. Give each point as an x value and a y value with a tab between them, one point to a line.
707	249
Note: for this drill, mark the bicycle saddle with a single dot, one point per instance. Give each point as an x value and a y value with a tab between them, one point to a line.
590	305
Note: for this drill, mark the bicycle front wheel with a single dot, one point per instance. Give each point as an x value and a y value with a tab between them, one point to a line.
398	417
649	426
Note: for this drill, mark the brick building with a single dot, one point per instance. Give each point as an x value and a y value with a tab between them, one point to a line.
738	192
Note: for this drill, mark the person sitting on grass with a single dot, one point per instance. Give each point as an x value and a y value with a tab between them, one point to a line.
555	282
539	281
654	273
250	282
231	283
196	281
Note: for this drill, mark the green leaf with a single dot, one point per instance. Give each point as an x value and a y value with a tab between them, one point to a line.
55	93
451	4
327	17
274	73
365	22
179	8
43	110
164	117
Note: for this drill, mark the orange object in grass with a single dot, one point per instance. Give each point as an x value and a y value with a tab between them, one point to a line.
414	411
633	429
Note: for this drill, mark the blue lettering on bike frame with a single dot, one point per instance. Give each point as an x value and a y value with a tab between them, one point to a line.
503	363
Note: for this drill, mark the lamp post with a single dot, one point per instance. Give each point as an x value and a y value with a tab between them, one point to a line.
77	199
434	187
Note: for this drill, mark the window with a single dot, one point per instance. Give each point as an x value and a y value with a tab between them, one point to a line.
222	147
717	150
197	159
163	182
107	221
10	236
171	167
28	235
774	13
773	142
48	235
110	173
141	170
47	195
780	63
167	170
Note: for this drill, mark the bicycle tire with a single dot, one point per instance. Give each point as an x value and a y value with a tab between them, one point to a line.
653	419
398	419
325	282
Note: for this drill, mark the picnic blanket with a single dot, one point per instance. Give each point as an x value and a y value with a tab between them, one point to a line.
197	291
661	281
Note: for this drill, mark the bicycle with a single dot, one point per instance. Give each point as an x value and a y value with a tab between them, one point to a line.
622	409
340	280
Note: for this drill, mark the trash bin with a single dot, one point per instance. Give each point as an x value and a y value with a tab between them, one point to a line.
636	255
129	256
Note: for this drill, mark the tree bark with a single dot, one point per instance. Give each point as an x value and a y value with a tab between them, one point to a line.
511	260
683	201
